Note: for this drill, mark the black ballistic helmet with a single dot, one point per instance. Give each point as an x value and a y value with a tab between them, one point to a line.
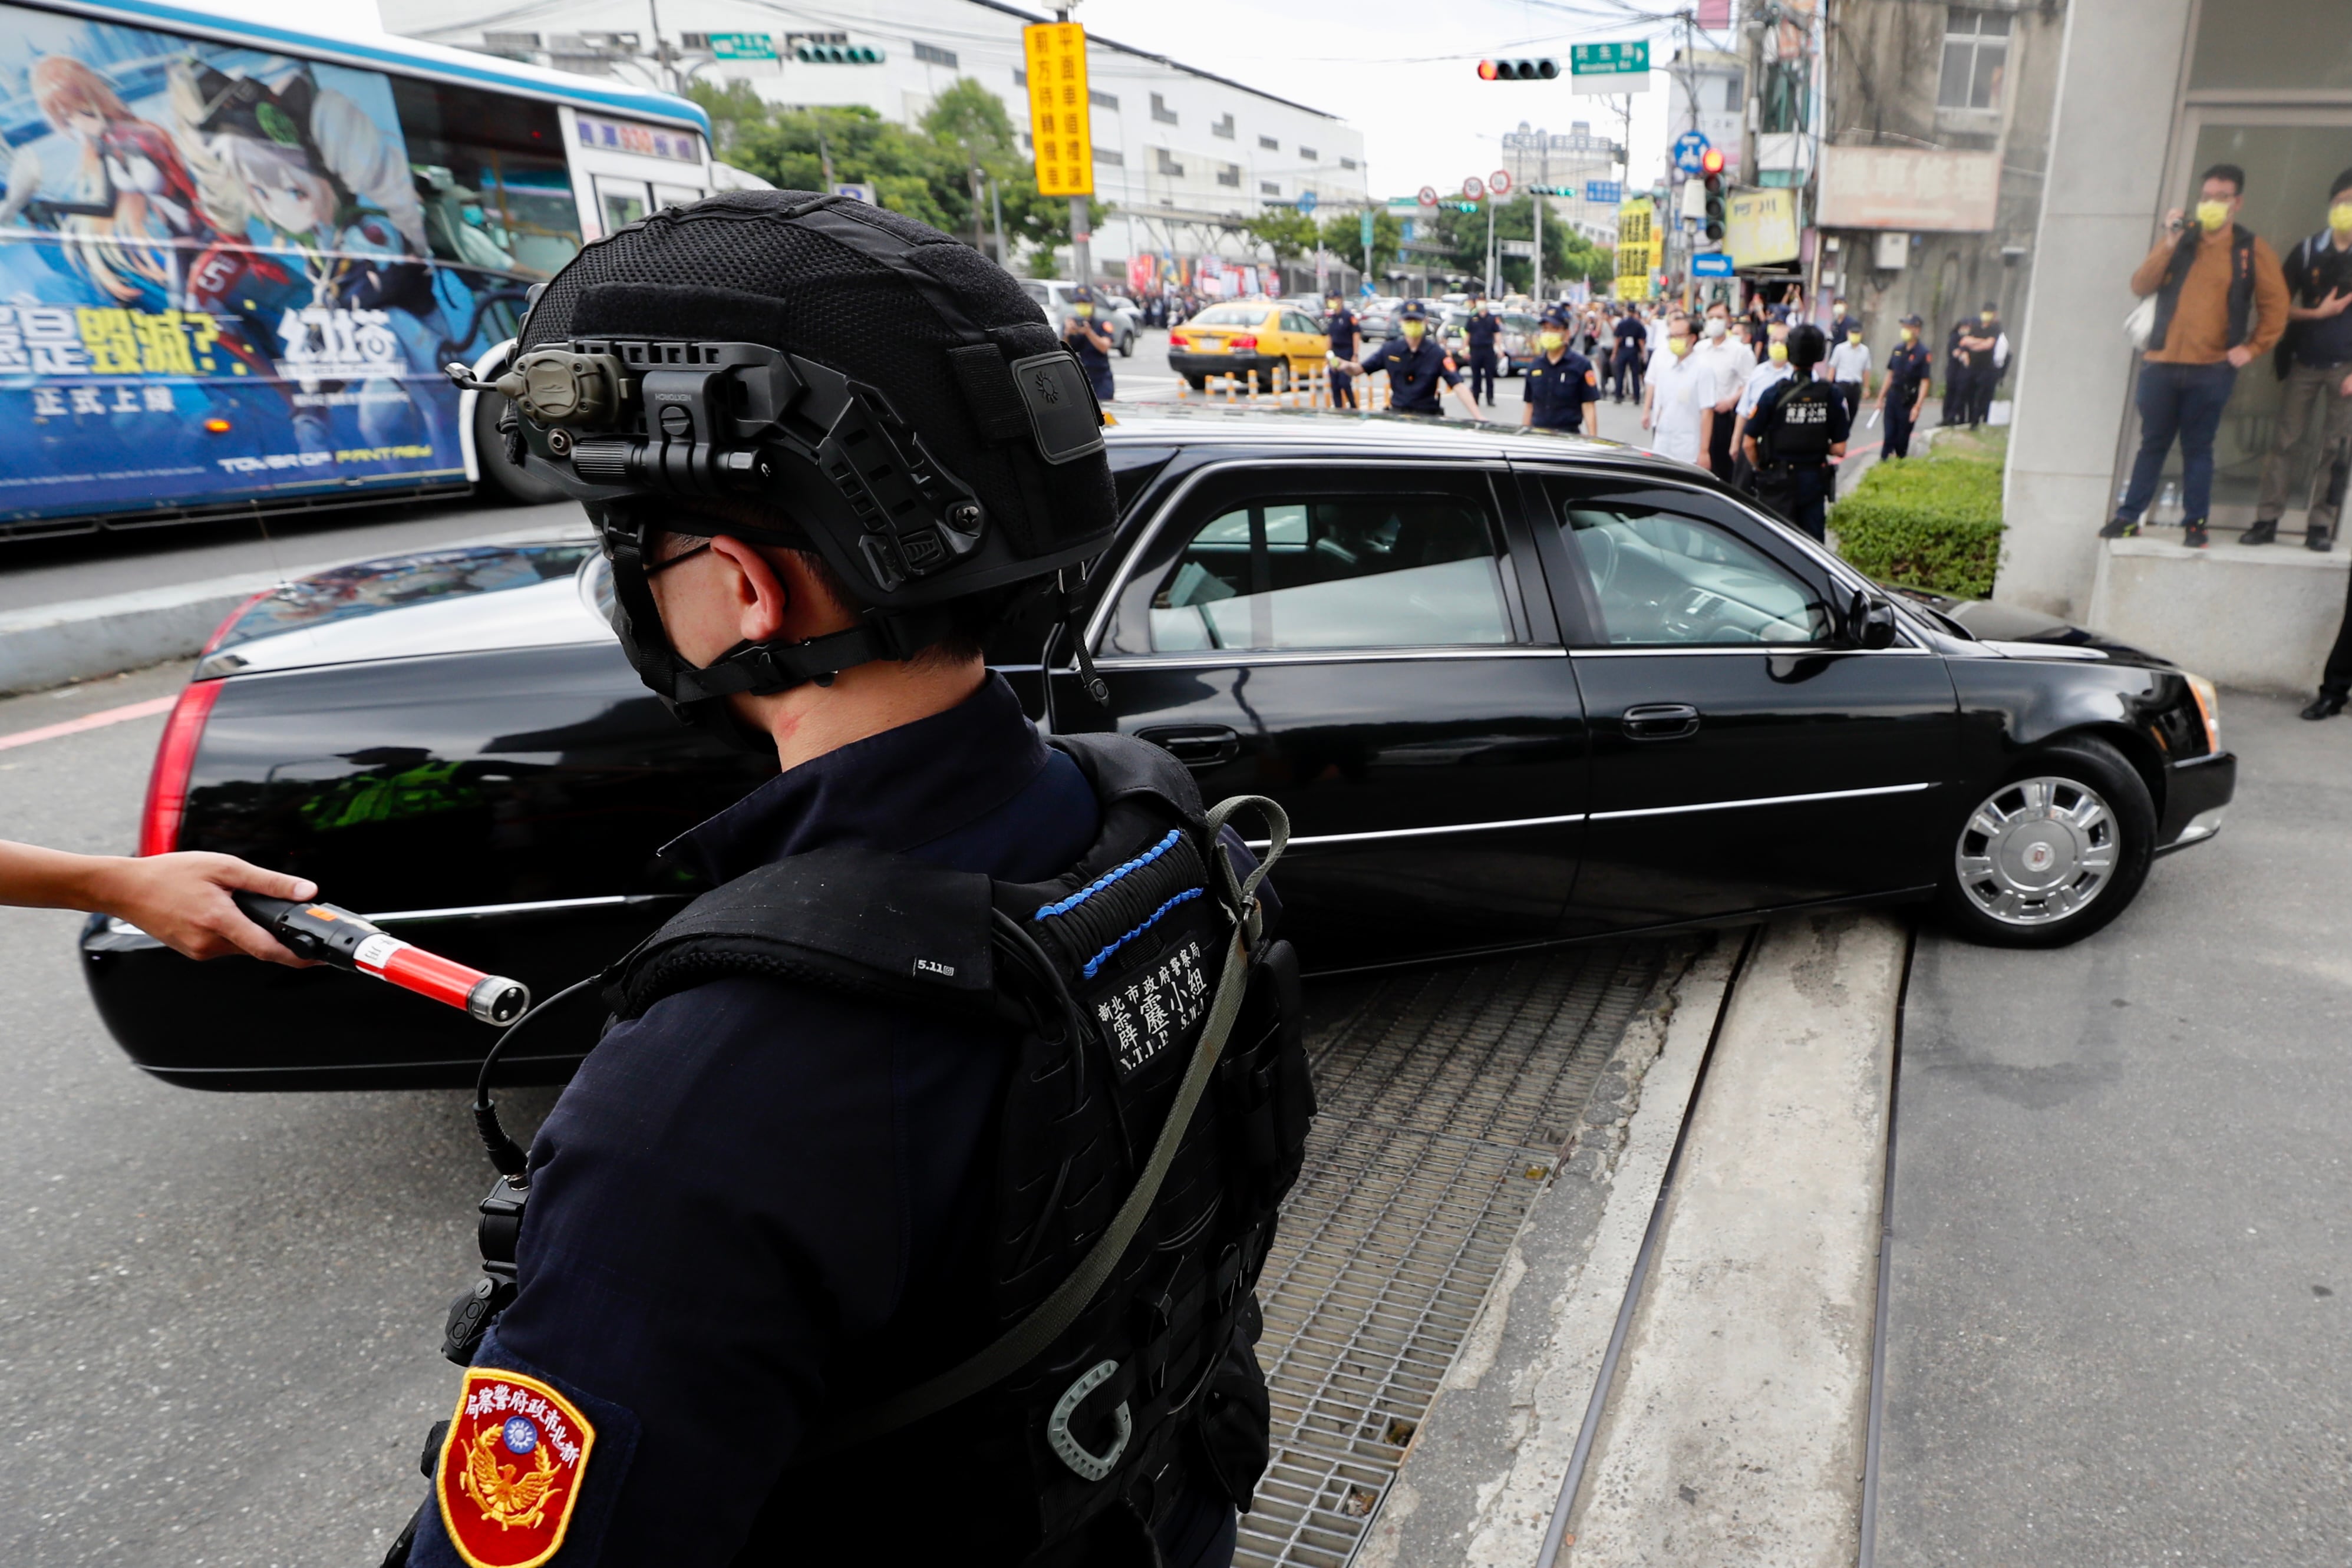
807	370
1807	345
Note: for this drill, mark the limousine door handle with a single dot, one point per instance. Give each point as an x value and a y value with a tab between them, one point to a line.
1661	721
1195	745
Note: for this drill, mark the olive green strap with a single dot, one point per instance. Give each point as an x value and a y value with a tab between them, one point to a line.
1029	1338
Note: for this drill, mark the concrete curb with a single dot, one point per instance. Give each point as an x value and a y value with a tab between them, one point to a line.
1478	1484
83	639
1735	1433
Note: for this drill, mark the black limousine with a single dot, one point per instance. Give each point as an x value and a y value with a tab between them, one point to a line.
1513	688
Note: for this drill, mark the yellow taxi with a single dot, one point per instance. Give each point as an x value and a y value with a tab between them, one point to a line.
1246	338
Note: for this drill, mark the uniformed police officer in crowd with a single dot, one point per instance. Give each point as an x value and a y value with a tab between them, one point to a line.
1800	426
775	1199
1417	365
1339	325
1561	382
1090	341
1910	375
1482	328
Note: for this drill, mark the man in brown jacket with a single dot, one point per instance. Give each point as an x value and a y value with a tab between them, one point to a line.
2220	302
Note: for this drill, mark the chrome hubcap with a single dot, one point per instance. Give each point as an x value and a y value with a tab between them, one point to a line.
2037	851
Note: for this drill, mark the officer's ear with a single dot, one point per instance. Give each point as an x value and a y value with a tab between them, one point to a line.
779	595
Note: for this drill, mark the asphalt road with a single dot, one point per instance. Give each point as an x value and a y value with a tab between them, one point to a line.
219	1314
2121	1312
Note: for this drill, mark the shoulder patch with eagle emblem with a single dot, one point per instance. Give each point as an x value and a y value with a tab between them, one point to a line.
511	1469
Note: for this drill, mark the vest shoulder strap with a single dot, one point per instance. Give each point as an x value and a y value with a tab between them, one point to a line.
849	919
874	925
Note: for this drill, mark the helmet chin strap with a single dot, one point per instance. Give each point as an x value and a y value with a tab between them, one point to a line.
698	693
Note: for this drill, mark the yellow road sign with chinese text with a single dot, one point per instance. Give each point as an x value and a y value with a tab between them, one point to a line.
1059	124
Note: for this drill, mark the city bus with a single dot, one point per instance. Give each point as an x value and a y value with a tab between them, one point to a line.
235	257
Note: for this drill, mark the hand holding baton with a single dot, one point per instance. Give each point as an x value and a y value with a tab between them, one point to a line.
335	935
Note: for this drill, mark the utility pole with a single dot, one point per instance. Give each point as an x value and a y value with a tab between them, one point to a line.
997	210
1082	239
1491	204
662	72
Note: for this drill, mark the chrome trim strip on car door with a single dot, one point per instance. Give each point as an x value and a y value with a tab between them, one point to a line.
1217	660
1422	833
1758	800
1308	840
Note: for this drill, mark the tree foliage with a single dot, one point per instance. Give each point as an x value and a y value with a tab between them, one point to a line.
925	171
1343	235
1568	255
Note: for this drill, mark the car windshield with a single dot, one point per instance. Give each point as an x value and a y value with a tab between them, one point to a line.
1232	316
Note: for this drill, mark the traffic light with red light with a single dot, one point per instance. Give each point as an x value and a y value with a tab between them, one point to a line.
1710	163
1517	70
1712	225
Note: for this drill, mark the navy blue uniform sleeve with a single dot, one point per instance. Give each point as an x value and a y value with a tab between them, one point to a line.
1840	423
730	1200
1379	358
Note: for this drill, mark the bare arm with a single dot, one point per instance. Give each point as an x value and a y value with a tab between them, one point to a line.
181	900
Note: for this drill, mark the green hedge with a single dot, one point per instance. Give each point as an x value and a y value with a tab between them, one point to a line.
1924	522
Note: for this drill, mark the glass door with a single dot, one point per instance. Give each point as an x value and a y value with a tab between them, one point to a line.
2290	155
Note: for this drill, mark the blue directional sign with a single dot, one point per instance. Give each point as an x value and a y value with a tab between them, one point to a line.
1307	203
1604	192
1689	148
1711	263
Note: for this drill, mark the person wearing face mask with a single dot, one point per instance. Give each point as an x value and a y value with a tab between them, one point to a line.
1678	407
1089	342
1910	372
2221	300
1850	367
1416	363
1482	329
1773	368
1727	361
1561	380
2315	361
1339	326
1841	325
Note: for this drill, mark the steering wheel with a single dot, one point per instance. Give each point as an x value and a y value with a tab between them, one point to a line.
1600	548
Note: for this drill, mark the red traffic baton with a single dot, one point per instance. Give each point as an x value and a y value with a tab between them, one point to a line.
333	934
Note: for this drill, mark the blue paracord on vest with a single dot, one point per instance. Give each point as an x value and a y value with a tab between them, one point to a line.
1095	962
1110	876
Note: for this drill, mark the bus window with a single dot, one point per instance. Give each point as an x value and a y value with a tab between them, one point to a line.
623	200
491	175
676	197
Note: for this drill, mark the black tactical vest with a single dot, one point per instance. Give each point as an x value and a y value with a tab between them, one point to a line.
1799	434
1109	973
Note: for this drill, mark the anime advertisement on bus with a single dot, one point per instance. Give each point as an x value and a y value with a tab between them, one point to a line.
218	276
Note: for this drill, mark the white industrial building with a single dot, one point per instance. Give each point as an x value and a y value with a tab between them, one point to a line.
1181	155
1572	160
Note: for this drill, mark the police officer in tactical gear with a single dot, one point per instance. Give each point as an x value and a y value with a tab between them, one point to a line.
1799	427
909	1207
1090	340
1416	363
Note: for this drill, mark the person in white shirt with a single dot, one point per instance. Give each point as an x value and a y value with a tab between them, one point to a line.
1653	323
1850	369
1774	367
1678	406
1726	359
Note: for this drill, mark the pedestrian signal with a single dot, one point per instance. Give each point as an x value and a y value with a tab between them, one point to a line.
1517	70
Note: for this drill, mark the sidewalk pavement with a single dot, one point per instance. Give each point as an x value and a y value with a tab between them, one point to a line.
2121	1308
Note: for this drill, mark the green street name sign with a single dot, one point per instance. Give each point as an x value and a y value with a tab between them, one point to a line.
744	45
1609	59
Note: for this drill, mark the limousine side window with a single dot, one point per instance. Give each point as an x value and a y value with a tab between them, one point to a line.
1333	571
1665	580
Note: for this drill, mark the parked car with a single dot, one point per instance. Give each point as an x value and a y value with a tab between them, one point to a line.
1514	689
1249	338
1124	318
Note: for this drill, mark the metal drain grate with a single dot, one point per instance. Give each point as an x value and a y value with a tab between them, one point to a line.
1446	1095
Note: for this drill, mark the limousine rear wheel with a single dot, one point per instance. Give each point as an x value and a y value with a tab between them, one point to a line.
2054	852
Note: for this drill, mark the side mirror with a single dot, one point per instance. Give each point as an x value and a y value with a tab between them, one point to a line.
1869	621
